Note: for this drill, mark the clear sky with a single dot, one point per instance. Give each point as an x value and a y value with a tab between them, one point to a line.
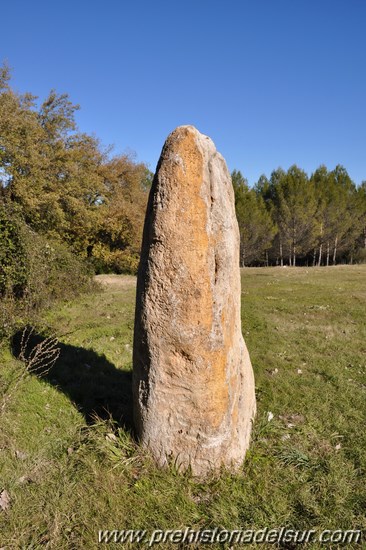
272	82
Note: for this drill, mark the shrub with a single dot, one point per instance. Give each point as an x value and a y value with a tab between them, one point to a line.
54	271
114	261
34	272
13	256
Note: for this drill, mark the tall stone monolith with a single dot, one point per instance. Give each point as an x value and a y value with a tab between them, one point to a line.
193	381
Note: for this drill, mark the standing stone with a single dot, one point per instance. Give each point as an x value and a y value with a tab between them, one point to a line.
193	381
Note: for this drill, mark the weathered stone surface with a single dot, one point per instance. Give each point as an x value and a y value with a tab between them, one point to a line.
192	380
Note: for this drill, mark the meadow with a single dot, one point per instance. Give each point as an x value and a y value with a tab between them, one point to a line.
70	466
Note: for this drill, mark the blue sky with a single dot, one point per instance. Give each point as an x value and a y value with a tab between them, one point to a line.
272	82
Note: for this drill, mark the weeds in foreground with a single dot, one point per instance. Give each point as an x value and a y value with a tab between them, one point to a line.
37	359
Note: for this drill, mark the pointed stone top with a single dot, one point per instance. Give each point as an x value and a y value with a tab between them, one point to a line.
190	128
204	143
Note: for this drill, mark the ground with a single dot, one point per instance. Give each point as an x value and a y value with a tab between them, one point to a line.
70	466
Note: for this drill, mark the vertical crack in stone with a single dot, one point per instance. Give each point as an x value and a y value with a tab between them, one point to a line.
216	268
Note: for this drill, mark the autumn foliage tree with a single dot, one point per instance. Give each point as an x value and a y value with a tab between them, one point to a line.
117	239
62	183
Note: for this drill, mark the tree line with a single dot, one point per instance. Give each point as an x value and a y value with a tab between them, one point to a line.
295	219
67	202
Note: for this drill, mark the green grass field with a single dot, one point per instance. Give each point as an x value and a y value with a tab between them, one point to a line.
70	470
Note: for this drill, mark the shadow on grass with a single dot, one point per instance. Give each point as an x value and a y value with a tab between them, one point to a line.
93	384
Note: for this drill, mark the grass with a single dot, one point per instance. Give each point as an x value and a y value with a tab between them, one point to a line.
71	467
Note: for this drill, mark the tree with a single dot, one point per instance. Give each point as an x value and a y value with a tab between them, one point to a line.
360	243
293	206
337	212
48	169
255	225
362	210
118	235
64	185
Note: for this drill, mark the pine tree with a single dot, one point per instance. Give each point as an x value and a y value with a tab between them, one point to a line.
293	206
337	213
255	225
